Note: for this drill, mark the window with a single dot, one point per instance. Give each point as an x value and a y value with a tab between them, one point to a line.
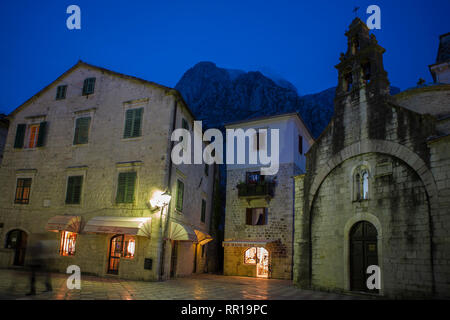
180	195
81	135
256	216
68	240
129	247
250	256
203	216
61	92
33	134
23	190
254	177
366	72
88	86
133	122
361	184
184	124
125	187
74	184
300	144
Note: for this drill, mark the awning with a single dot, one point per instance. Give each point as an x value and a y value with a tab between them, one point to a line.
245	243
64	223
202	237
136	226
181	232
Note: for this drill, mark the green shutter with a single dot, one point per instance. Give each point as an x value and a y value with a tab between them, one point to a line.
42	134
203	216
137	122
125	187
82	130
20	136
133	123
74	185
180	195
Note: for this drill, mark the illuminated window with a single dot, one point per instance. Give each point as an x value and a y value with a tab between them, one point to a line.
129	247
250	256
33	135
23	188
68	240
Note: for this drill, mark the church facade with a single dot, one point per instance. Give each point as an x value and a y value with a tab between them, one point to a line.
376	191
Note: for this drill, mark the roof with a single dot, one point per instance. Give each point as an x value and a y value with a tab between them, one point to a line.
268	117
80	63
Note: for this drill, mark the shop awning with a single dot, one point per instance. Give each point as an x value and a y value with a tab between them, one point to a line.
181	232
136	226
245	243
64	223
202	237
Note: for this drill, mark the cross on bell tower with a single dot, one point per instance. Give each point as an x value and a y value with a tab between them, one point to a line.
362	65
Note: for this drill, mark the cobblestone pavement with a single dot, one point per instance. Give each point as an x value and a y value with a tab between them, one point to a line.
15	284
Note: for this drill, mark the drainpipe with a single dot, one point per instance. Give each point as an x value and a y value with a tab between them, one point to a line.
167	220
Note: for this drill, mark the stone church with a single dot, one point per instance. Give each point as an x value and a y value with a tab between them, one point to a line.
377	184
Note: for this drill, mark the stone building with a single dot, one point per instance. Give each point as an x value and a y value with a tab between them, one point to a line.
440	70
377	185
4	124
259	209
87	169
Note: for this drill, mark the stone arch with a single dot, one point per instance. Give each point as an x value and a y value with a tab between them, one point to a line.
378	146
362	216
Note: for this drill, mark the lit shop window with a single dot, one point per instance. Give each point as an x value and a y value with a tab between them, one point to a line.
68	240
250	256
129	247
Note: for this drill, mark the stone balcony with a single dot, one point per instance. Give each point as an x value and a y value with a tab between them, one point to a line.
263	189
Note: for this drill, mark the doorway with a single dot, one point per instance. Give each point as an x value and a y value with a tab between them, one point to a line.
115	252
17	240
174	258
363	253
259	257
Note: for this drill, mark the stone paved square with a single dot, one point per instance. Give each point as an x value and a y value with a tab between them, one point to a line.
14	285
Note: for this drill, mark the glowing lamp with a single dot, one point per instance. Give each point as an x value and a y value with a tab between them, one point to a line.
160	199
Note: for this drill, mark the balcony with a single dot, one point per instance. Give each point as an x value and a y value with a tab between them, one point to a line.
262	189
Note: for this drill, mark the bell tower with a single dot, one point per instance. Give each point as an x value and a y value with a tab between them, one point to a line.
362	65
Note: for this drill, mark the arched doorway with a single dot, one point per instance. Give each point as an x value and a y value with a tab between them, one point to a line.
115	251
17	240
258	256
363	253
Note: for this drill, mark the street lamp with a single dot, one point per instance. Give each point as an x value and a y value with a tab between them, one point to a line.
160	199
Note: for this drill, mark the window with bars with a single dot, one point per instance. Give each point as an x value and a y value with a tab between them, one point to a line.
88	86
61	92
203	215
81	135
23	189
133	123
74	186
180	196
125	187
129	247
68	241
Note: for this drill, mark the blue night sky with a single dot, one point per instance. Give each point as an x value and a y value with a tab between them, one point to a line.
159	40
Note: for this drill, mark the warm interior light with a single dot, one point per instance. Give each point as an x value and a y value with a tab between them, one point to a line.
160	199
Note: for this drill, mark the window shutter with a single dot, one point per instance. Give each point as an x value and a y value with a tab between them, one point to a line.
248	218
128	123
137	122
121	185
20	136
180	195
69	194
203	216
300	144
88	86
130	185
82	130
42	134
76	196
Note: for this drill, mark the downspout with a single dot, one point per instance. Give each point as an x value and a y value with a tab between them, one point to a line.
166	226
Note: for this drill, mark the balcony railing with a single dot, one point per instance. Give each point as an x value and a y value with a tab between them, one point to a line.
260	189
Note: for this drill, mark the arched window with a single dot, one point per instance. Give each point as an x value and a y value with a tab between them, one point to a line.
361	184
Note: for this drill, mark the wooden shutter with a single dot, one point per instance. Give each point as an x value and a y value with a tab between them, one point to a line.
88	86
180	195
128	123
137	122
203	216
20	136
74	184
248	216
42	134
125	187
82	130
